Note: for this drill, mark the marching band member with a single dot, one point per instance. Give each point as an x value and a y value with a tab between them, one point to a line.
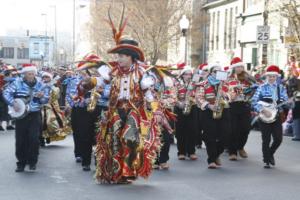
270	92
167	100
185	133
9	75
54	124
129	136
210	95
240	109
203	72
82	121
27	128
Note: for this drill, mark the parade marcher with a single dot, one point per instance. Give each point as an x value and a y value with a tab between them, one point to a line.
28	127
10	74
54	124
168	101
185	132
240	92
82	120
128	139
203	72
211	97
270	92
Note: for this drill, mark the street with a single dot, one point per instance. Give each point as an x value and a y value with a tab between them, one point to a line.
59	177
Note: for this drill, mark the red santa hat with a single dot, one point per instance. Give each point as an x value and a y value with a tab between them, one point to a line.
48	74
272	70
236	62
182	91
187	69
203	66
29	67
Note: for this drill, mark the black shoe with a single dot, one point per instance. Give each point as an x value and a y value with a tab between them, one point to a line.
20	168
1	128
86	168
78	159
272	160
10	128
295	139
267	166
48	140
32	167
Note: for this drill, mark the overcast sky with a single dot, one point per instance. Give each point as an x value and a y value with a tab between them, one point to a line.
27	14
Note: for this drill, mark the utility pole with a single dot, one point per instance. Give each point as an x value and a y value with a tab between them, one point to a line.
74	30
264	60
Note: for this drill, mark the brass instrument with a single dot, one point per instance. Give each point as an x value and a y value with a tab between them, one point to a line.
219	103
93	100
187	102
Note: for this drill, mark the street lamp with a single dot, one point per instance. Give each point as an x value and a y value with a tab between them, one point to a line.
184	25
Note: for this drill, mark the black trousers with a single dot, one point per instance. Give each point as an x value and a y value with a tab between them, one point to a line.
215	132
27	138
83	126
185	133
166	139
273	130
240	115
197	124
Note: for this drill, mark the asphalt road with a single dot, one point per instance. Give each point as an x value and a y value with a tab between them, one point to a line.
59	177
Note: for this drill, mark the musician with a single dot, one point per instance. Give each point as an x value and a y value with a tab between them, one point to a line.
240	110
270	92
82	121
185	132
203	72
54	124
9	75
214	129
27	128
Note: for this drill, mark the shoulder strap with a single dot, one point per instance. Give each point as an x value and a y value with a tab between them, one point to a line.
278	94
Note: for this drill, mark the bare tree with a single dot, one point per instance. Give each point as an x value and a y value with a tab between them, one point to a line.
153	23
290	9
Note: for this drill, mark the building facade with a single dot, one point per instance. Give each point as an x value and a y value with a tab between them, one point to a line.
233	32
14	50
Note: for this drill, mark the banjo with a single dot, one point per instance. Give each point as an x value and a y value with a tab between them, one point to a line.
22	104
272	108
22	108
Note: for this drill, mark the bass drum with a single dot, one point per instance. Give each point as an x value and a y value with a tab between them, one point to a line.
22	109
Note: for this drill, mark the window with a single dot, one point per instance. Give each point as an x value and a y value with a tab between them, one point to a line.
213	32
235	29
225	29
23	53
36	48
46	50
7	52
230	29
217	32
253	2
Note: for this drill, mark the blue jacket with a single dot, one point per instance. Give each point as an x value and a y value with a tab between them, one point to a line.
103	100
268	91
19	89
72	92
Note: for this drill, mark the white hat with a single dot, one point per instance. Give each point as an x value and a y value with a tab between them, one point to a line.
29	67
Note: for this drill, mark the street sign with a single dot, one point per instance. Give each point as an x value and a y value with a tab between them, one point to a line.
263	34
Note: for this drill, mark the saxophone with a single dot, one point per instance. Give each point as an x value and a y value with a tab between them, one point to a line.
219	103
94	97
187	102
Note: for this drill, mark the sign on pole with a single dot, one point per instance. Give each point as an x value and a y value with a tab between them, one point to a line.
263	34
